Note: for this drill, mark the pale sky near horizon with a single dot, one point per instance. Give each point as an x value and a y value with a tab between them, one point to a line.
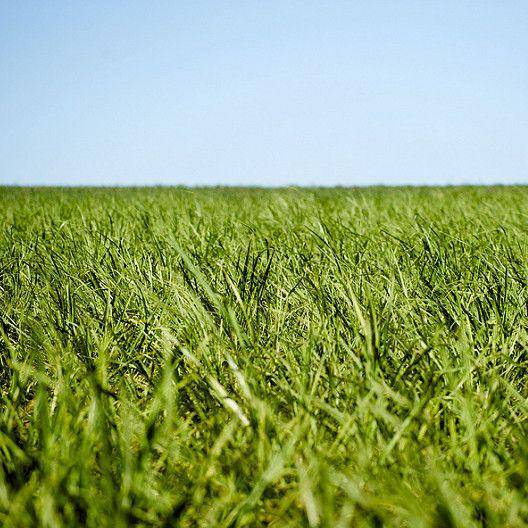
263	93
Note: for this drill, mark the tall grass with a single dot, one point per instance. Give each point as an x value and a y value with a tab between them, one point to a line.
229	358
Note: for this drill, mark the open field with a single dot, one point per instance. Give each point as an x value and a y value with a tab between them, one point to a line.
285	358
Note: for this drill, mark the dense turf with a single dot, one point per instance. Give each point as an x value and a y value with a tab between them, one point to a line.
264	358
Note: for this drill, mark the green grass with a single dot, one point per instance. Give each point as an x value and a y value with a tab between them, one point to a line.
230	358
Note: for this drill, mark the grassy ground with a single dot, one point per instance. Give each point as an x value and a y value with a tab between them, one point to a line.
264	358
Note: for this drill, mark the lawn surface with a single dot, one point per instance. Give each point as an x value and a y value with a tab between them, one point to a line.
245	358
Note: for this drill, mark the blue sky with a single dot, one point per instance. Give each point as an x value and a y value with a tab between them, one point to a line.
263	93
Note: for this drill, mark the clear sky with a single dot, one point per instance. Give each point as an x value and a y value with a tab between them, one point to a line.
263	93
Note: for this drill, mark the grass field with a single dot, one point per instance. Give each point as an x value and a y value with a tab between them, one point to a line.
235	357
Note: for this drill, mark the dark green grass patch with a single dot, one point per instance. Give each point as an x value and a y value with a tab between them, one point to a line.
239	358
